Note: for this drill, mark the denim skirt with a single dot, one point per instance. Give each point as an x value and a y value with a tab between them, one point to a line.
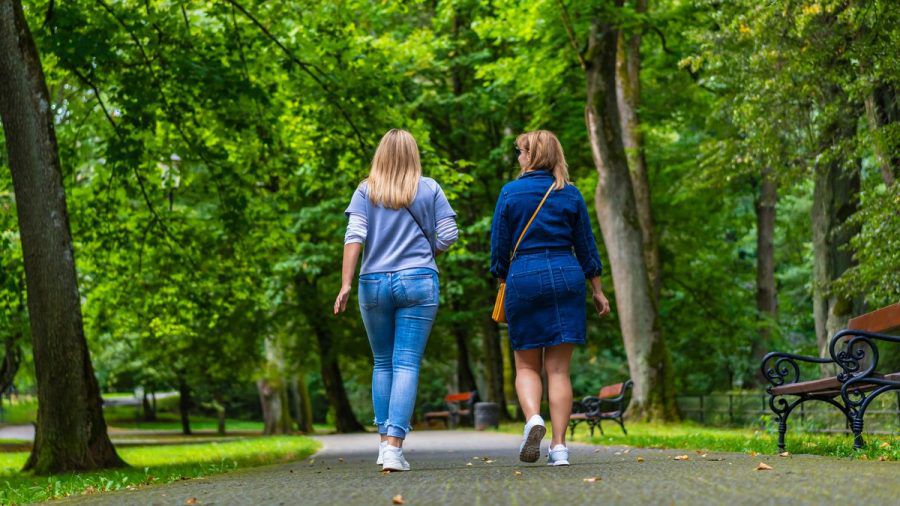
545	299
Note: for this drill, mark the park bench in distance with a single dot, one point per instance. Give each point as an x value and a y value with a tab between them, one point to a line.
459	406
609	404
857	383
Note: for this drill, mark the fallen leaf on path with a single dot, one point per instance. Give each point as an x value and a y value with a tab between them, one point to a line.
192	501
340	459
640	459
626	452
704	455
618	453
517	473
597	450
468	464
592	479
715	459
763	467
488	461
863	457
754	454
682	457
784	454
398	499
698	452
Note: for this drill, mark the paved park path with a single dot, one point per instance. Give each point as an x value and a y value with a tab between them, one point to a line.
464	467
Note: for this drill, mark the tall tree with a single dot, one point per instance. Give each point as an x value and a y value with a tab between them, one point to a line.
617	210
766	294
71	431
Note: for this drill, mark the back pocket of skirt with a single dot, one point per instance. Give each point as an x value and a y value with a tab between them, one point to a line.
527	285
573	277
418	289
368	293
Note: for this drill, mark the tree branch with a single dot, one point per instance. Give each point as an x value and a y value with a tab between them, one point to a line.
567	24
308	69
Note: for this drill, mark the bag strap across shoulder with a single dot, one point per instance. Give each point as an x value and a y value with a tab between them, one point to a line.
522	235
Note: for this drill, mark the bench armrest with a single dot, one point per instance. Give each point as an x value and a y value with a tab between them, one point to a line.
781	368
851	354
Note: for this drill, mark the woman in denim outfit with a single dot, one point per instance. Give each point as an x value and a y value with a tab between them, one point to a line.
403	220
545	296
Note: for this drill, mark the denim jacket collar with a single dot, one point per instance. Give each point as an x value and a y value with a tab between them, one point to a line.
536	173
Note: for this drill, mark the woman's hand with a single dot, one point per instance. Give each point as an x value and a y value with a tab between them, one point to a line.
340	304
601	303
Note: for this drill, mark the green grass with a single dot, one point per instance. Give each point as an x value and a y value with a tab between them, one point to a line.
20	412
688	436
150	465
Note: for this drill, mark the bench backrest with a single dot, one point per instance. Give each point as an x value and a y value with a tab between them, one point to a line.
459	397
611	391
884	321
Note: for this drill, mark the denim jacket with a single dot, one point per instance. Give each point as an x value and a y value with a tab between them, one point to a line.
562	223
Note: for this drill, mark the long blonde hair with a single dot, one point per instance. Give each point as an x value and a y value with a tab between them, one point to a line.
394	177
545	153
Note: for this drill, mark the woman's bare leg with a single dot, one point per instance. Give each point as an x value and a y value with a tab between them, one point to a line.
528	381
556	362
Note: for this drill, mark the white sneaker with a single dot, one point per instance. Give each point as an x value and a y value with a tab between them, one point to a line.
558	456
393	459
381	446
530	449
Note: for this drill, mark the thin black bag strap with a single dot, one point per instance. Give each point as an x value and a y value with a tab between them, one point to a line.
424	233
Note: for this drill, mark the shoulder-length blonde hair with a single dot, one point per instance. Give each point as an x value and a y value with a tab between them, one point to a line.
545	153
394	177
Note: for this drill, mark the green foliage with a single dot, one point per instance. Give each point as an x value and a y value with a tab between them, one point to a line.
208	161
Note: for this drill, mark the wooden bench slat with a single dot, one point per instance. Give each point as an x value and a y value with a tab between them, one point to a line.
465	396
827	386
610	391
884	321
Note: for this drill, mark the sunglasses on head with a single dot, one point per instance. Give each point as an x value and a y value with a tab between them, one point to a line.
519	150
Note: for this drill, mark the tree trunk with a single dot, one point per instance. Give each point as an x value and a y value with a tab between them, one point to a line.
184	405
881	110
835	199
344	419
648	358
766	294
493	376
71	431
465	379
304	403
270	401
149	408
273	391
219	406
628	94
12	358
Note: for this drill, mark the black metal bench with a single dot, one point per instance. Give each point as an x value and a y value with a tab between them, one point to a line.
460	406
608	404
858	382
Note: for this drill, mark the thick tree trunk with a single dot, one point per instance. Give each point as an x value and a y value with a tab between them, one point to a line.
493	357
184	405
648	358
766	294
219	406
270	398
628	94
304	406
835	199
70	432
273	390
344	419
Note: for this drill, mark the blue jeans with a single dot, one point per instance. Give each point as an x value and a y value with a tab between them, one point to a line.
398	310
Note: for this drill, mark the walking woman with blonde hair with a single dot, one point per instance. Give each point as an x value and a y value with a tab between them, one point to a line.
543	247
402	221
